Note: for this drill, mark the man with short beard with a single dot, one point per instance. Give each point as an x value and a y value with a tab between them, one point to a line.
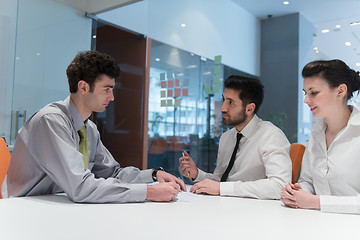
259	165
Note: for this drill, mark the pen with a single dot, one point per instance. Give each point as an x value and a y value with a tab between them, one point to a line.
188	173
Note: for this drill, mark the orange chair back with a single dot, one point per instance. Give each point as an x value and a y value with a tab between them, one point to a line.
157	146
4	161
296	154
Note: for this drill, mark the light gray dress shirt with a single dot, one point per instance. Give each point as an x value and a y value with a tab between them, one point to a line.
334	172
262	165
46	160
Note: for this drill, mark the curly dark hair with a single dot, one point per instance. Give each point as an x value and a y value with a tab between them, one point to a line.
88	66
251	90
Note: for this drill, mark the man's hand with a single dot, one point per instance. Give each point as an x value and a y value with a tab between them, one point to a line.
206	186
294	196
163	176
162	192
187	166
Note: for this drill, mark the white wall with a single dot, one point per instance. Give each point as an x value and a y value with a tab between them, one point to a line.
8	11
213	28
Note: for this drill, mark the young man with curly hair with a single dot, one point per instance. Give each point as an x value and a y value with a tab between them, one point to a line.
59	148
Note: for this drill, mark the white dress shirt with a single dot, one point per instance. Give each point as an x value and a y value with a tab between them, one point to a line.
262	165
46	160
334	173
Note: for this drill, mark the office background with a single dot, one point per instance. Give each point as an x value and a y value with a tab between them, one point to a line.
168	97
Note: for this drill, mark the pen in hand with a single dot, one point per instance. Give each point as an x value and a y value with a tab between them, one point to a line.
188	173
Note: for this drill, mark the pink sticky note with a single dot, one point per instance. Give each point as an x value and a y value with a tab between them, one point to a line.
163	84
185	92
177	92
170	93
170	83
177	83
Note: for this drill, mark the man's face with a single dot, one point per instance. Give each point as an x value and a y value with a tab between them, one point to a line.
102	94
233	112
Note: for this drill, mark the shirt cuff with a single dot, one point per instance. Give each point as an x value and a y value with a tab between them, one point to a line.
337	204
227	189
201	176
146	176
137	192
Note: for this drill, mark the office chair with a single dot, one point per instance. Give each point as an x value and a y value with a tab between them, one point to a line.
4	161
296	154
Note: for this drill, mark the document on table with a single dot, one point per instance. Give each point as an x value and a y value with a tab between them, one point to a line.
186	197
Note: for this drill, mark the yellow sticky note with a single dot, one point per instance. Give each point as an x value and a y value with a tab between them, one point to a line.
163	94
217	59
169	103
216	88
163	103
207	88
177	102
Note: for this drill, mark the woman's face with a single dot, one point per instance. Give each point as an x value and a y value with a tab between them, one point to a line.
320	97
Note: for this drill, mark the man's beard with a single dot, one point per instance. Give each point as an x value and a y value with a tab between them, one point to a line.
238	120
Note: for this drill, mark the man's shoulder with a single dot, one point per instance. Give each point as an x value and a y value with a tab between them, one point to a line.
268	128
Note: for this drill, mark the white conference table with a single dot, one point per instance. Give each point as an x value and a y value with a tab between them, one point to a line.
205	217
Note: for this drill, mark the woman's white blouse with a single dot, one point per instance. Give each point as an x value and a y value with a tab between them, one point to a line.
334	173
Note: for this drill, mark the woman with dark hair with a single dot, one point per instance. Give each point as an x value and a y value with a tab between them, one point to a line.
330	171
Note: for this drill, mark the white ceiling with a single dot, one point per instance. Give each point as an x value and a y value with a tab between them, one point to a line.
323	14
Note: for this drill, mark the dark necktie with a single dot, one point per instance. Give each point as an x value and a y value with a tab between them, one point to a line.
232	160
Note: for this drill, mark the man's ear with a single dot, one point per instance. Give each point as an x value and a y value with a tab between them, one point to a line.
83	86
250	108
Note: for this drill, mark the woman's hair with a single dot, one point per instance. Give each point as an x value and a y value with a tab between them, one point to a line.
335	72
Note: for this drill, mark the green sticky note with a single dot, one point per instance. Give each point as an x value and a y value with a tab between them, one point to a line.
217	59
163	94
169	103
162	76
216	88
216	78
177	102
169	75
217	70
185	82
207	88
163	103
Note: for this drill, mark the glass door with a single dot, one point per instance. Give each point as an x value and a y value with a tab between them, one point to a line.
49	35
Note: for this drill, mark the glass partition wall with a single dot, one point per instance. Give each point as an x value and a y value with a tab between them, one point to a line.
185	99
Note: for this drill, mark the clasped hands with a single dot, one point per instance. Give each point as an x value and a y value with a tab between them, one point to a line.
189	169
294	196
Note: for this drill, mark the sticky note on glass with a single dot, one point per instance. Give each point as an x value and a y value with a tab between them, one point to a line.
217	59
216	88
162	76
185	92
177	92
216	78
217	70
177	102
163	103
207	88
163	84
163	93
169	103
170	83
177	83
169	75
170	93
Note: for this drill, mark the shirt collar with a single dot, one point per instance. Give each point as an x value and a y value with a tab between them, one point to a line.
354	120
250	127
74	114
